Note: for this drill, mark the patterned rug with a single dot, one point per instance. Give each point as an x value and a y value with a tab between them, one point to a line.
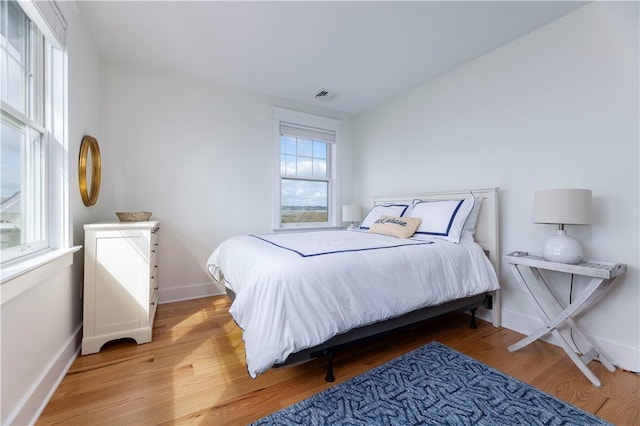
433	385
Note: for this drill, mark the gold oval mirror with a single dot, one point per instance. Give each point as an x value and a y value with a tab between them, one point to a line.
89	153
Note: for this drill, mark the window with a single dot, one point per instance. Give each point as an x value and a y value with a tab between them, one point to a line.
31	75
307	188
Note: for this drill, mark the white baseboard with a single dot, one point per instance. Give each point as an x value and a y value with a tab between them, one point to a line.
193	291
622	356
38	397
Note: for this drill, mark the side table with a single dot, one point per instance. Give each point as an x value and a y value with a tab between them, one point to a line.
603	275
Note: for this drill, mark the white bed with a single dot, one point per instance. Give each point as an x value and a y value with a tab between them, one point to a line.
294	292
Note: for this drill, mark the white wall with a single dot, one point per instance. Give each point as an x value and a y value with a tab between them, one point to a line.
41	328
556	108
202	159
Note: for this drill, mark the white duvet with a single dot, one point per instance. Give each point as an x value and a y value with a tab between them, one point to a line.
297	290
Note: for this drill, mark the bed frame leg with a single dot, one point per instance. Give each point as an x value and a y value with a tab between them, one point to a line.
473	324
330	377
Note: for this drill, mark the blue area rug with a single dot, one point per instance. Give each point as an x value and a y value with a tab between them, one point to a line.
433	385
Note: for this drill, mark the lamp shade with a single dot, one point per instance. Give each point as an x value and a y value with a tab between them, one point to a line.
352	213
563	206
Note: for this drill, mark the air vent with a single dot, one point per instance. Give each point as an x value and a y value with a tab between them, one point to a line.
326	95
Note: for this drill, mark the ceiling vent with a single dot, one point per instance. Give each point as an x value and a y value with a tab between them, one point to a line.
326	95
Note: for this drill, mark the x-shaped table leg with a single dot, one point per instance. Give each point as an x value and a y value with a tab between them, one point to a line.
591	293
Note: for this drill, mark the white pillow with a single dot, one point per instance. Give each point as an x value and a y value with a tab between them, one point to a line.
382	209
443	219
472	219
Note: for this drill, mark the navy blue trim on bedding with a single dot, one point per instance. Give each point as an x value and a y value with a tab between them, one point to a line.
345	250
451	219
406	206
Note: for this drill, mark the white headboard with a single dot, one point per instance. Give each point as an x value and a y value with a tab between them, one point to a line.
487	228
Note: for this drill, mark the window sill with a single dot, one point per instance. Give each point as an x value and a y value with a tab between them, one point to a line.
20	276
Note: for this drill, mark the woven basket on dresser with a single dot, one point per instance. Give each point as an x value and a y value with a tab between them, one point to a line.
133	216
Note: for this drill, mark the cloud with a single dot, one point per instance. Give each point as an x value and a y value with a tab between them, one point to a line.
304	193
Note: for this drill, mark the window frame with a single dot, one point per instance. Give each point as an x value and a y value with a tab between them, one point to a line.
44	123
286	116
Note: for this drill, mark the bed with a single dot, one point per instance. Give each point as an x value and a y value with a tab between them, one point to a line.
300	295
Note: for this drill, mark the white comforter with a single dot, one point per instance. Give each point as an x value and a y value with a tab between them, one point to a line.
297	290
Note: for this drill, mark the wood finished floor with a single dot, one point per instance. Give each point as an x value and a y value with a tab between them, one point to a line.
193	373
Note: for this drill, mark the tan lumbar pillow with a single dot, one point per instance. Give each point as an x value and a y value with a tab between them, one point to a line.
394	226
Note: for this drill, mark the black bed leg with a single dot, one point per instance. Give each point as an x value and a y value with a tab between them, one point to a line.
330	377
473	324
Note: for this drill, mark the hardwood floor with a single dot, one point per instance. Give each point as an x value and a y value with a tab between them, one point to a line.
193	373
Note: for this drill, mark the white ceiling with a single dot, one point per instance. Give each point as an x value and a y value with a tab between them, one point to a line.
368	52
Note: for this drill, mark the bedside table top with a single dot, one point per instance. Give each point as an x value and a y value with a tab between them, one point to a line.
587	267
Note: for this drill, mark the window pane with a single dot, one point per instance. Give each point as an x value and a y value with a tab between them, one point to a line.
304	167
319	149
304	201
305	148
23	208
287	145
290	165
319	168
12	214
15	58
16	30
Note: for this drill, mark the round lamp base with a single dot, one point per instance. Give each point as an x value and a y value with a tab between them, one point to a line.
562	248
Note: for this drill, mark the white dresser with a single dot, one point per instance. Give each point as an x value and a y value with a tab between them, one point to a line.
120	282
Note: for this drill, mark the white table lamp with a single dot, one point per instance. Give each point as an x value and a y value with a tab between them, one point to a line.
562	207
352	213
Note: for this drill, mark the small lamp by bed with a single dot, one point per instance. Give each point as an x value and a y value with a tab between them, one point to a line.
352	213
562	207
